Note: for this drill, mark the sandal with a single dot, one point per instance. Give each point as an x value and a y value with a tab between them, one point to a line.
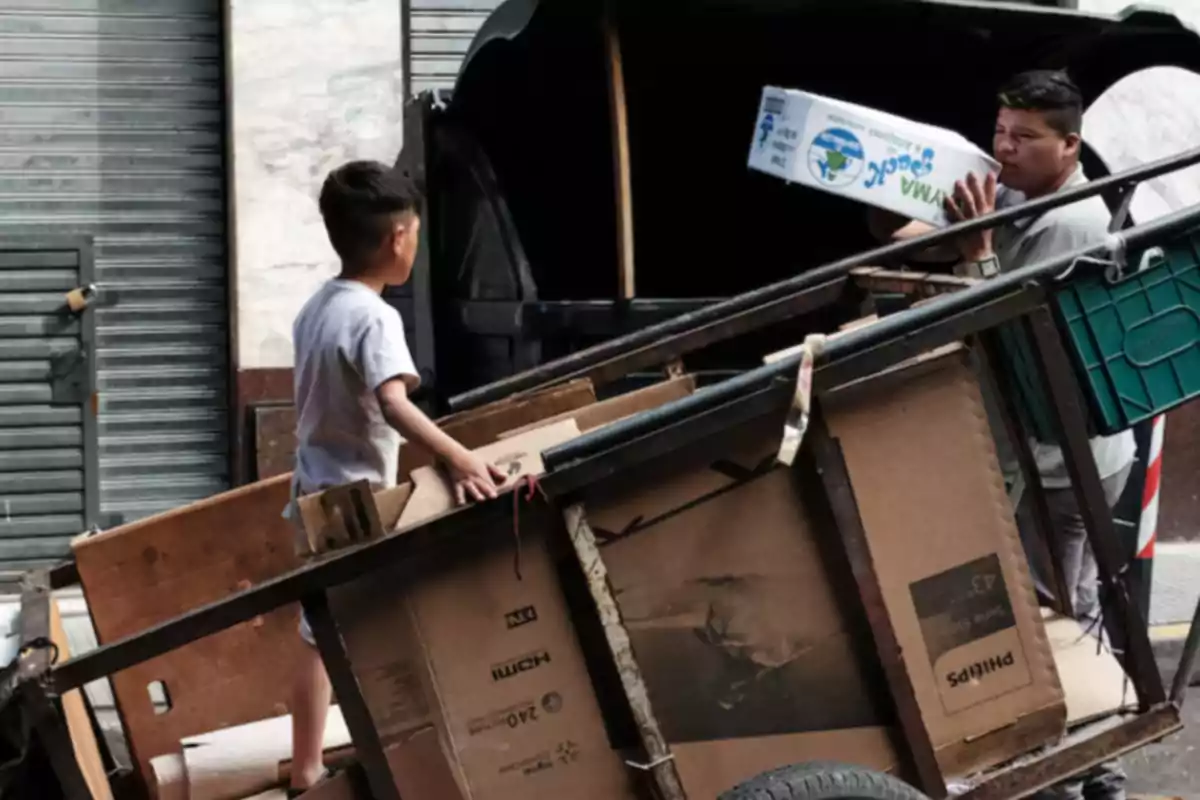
293	793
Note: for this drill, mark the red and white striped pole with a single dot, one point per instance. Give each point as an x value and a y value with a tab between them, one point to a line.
1142	566
1148	523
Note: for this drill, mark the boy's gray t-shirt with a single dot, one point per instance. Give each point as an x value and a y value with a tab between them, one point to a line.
348	342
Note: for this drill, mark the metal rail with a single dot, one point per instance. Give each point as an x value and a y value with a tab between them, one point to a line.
860	341
581	363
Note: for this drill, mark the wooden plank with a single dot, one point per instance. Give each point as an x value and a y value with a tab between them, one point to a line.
144	573
274	441
621	169
484	425
659	761
79	723
615	408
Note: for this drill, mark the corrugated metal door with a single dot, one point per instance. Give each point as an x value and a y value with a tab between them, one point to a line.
112	128
48	453
438	34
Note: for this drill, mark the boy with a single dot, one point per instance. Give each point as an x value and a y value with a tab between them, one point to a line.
353	377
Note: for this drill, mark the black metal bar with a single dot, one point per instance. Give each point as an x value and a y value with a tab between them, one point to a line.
822	458
1187	661
367	746
1121	616
1077	754
990	355
574	317
895	326
950	328
584	360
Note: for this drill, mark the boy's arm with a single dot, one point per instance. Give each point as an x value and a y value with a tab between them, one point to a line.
382	358
472	476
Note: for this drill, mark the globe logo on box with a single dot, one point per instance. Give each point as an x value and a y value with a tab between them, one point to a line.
836	157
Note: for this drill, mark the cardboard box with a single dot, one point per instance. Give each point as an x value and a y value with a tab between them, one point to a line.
740	613
710	566
751	650
486	648
877	158
955	579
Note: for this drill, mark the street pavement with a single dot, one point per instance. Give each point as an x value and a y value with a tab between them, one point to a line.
1172	768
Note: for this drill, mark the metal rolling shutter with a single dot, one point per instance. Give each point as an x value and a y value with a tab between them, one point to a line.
112	128
439	32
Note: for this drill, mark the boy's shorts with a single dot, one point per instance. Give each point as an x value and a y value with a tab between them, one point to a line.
306	630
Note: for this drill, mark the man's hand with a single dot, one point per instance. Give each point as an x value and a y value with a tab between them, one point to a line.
973	198
473	477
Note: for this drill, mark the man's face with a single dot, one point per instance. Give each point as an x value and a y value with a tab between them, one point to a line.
406	232
1033	156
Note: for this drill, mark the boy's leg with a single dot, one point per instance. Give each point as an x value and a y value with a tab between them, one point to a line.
311	696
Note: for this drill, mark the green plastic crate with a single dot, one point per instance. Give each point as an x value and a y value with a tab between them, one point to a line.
1136	341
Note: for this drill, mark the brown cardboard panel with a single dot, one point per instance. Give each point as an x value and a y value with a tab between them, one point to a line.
942	535
146	572
486	650
518	702
517	458
709	768
493	661
615	408
482	426
1092	678
709	567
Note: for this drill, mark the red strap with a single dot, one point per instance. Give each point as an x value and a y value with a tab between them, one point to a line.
530	482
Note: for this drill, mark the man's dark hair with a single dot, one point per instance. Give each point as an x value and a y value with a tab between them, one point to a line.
359	201
1051	92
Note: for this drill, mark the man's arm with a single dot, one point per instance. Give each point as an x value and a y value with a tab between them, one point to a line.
472	476
889	228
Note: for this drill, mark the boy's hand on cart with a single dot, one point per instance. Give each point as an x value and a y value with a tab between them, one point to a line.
973	198
474	478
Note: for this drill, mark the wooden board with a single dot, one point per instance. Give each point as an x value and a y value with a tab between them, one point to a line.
145	572
484	425
79	724
274	441
621	169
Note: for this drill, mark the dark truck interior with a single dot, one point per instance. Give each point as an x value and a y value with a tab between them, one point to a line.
518	163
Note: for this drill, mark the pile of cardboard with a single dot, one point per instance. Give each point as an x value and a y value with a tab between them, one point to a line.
729	589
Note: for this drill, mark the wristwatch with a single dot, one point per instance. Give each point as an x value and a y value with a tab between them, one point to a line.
984	268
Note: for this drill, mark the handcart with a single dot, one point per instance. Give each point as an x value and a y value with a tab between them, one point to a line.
1085	379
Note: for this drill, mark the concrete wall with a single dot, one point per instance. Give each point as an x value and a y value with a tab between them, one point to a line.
314	83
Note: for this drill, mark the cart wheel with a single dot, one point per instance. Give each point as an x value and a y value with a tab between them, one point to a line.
823	780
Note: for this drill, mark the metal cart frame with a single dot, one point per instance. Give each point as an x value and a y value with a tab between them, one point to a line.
690	427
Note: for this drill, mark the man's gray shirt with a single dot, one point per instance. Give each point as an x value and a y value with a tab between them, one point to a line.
1030	241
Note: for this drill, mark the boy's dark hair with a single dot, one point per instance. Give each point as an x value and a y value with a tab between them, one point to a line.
359	201
1051	92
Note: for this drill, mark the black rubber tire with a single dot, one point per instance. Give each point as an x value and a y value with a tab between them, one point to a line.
823	780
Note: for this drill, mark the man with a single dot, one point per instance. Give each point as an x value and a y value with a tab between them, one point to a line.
1037	142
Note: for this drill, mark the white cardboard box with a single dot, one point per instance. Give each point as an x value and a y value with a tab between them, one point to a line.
857	152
